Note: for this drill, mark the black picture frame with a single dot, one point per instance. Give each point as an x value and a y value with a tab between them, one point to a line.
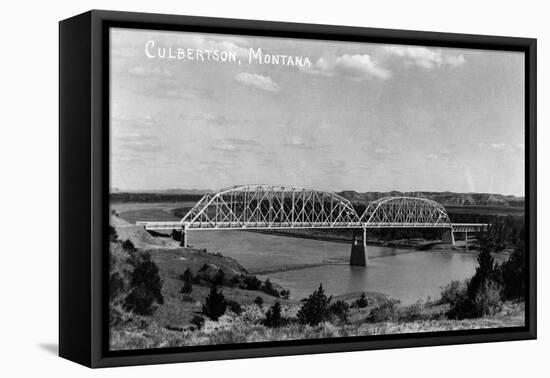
84	189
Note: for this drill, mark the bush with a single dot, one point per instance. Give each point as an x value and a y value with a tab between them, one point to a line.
259	301
186	298
113	235
252	283
340	309
187	278
116	285
513	273
273	317
204	267
285	293
197	321
219	278
362	301
385	312
145	285
128	246
481	296
234	281
269	289
214	304
234	306
315	309
417	311
487	301
452	292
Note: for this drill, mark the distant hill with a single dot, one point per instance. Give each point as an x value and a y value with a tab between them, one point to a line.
444	198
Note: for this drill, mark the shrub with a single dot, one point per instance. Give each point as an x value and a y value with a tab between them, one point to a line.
214	304
187	298
482	294
259	301
252	283
485	271
116	285
315	309
219	278
145	286
113	235
187	278
417	311
453	291
487	300
234	281
269	289
128	246
513	273
234	306
204	267
385	312
285	293
340	309
362	301
197	321
273	317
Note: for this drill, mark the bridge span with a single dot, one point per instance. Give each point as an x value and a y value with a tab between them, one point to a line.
269	207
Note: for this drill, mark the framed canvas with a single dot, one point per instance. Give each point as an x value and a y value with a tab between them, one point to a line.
234	188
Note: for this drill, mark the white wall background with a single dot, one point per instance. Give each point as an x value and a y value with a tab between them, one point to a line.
29	189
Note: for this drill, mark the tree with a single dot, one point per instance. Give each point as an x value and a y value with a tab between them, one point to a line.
315	309
219	278
234	306
273	317
113	235
482	293
214	304
362	301
259	301
187	279
340	309
268	288
128	246
252	283
513	273
145	285
485	271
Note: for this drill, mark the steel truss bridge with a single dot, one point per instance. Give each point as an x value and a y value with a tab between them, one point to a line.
270	207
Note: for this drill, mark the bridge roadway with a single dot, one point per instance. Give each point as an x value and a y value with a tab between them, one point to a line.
163	226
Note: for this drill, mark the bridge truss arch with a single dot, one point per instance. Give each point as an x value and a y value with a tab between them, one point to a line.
405	212
270	206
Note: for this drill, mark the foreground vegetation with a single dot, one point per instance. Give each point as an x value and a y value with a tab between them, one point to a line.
165	297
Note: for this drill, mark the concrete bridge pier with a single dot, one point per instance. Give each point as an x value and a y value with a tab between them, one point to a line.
359	253
449	237
183	238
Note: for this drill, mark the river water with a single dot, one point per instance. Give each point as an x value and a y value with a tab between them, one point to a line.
403	274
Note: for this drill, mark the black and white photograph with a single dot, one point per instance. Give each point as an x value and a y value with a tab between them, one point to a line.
270	189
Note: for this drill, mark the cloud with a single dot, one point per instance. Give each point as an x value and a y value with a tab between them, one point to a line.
355	67
265	83
425	57
503	147
149	71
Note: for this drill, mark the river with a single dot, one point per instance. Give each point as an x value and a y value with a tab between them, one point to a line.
406	275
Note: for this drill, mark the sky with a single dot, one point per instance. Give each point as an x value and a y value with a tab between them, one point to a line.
364	117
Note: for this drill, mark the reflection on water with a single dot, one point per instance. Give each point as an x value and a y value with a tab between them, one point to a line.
403	274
